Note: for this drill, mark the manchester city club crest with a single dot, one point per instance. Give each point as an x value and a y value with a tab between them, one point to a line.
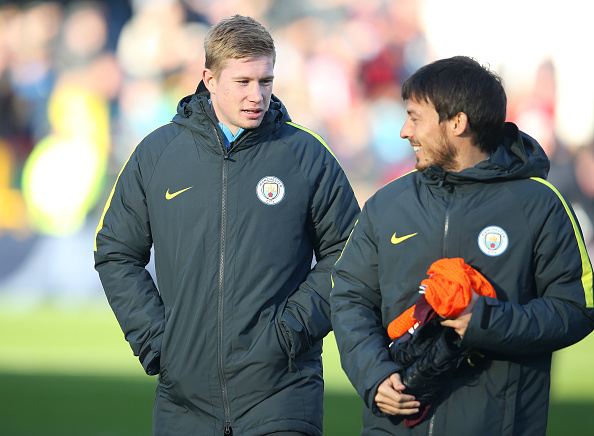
270	190
493	241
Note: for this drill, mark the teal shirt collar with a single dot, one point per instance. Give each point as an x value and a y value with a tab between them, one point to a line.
229	137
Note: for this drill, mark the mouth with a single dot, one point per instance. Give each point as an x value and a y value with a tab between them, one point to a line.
417	148
253	114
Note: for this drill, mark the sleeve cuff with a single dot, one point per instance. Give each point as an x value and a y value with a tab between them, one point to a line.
150	360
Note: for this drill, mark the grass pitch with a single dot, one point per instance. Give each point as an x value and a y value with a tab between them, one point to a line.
70	372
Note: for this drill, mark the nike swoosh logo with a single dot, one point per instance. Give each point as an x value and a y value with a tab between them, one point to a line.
169	196
396	240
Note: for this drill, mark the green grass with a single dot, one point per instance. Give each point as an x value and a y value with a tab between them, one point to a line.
63	405
70	372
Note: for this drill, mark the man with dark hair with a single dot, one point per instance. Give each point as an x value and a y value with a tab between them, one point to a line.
479	195
456	86
235	198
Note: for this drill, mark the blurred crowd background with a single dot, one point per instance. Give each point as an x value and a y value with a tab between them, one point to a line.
82	82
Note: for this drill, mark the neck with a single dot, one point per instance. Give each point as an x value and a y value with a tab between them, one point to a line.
469	155
471	160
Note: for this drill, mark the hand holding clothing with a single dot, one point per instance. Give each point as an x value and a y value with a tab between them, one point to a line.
460	323
514	228
391	400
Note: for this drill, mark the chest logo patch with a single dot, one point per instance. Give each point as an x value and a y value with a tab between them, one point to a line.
169	196
270	190
493	241
395	240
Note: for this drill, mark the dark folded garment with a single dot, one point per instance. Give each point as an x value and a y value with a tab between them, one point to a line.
429	358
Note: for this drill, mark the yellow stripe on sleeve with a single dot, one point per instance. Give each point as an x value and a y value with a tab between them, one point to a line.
587	277
343	248
319	138
315	135
108	203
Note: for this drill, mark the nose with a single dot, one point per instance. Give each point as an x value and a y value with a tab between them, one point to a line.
406	130
255	93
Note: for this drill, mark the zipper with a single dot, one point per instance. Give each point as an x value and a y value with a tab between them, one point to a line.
221	299
228	430
221	290
220	309
446	226
446	231
441	180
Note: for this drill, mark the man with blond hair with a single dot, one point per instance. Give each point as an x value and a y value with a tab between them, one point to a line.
235	198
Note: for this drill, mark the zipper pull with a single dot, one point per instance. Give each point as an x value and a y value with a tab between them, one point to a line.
441	181
228	429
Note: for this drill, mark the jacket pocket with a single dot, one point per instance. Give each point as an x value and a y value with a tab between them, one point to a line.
295	338
165	339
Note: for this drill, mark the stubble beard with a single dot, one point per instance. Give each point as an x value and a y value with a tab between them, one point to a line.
445	156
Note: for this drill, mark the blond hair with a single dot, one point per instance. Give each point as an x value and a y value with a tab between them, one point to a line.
236	37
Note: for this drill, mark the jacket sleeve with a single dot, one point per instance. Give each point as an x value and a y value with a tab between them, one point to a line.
356	314
122	250
333	210
562	312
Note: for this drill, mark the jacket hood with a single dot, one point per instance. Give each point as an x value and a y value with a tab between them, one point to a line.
195	113
518	156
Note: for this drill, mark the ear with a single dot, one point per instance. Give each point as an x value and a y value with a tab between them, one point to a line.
209	80
459	124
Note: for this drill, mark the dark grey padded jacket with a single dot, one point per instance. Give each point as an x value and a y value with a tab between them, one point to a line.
508	223
235	328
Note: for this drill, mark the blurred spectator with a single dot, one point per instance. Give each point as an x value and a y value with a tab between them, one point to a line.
94	76
571	168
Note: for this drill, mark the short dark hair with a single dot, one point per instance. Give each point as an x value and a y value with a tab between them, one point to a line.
236	37
461	84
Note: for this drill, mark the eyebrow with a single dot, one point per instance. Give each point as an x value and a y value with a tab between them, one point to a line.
252	78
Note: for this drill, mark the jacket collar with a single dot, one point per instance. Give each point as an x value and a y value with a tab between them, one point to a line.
518	156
